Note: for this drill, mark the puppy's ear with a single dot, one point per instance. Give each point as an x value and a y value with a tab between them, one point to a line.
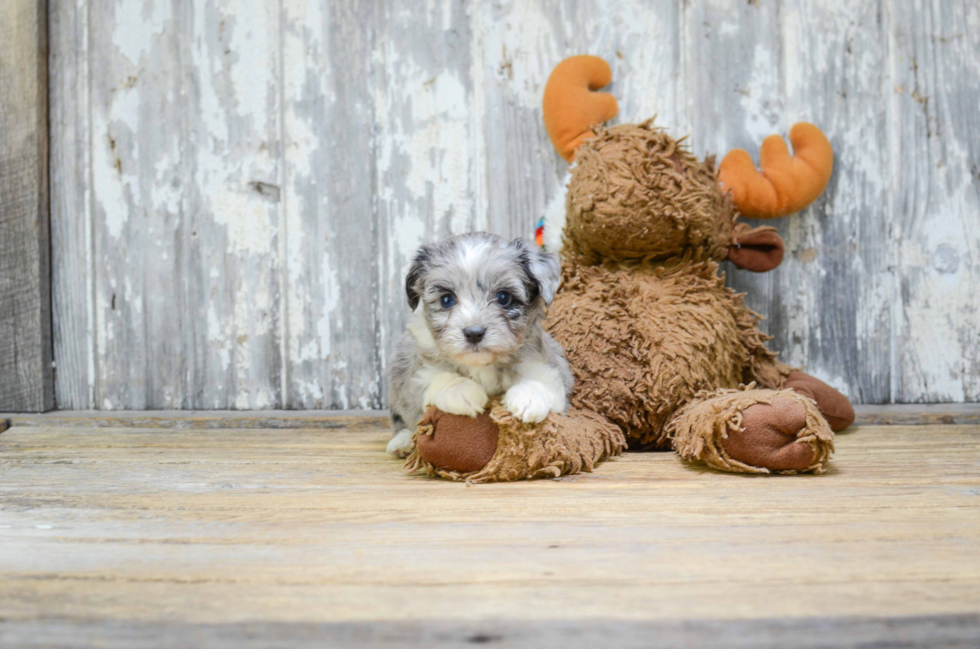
413	281
546	272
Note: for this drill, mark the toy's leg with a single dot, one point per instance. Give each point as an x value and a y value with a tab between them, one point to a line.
768	372
456	443
835	407
753	431
497	447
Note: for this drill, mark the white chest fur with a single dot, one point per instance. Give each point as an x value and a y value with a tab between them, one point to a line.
494	381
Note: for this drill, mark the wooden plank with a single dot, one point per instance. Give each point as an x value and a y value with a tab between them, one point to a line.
921	631
731	68
197	528
330	281
72	271
918	414
231	214
138	185
905	415
26	376
184	174
211	419
935	167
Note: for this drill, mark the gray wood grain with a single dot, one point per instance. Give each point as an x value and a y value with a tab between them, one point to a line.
136	135
72	271
330	281
948	631
238	187
935	205
167	140
226	243
26	380
871	414
119	536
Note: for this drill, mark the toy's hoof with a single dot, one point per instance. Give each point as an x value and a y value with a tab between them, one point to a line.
769	437
834	406
458	443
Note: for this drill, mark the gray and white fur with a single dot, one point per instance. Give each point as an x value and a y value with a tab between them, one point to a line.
475	331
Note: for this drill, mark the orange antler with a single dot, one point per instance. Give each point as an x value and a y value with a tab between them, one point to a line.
570	108
784	184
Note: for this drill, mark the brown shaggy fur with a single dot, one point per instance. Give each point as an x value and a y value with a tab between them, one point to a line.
643	339
636	193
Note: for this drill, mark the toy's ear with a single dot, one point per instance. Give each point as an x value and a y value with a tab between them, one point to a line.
757	250
570	107
783	184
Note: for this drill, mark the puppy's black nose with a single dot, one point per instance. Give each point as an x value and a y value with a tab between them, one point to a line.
474	334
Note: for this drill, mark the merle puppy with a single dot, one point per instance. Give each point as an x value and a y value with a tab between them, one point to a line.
475	331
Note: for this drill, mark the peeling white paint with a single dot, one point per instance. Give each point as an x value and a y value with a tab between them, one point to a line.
187	110
249	225
136	26
760	97
252	77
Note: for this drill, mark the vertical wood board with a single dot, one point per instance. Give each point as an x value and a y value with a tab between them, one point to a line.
26	377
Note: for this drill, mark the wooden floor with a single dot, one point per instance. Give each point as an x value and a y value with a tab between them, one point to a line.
200	535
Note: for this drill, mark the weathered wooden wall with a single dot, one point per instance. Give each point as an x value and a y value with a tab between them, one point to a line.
26	375
238	185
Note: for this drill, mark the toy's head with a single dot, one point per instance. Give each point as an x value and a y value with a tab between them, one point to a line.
637	193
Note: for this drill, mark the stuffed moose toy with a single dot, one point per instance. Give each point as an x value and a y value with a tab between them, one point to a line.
664	354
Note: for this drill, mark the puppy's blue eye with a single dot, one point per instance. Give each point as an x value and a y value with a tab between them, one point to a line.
447	301
504	298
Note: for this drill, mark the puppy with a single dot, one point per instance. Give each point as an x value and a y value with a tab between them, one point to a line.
477	303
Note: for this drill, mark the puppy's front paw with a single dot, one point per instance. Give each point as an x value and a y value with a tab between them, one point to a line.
528	402
460	396
401	444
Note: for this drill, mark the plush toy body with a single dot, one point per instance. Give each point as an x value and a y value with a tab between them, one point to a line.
664	354
671	375
644	339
